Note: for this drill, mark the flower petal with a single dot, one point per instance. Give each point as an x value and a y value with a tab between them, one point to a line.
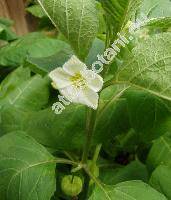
60	78
94	81
83	96
74	65
90	98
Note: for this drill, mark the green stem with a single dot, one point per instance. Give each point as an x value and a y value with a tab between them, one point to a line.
96	153
68	155
60	161
91	117
97	182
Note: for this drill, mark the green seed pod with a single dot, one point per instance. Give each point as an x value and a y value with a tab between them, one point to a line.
71	185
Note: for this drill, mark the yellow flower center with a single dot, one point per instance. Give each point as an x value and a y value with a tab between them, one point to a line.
78	81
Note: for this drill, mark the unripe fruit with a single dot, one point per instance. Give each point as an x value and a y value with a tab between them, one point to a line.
71	185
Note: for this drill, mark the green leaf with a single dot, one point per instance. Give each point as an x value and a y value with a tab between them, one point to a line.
102	23
6	21
27	169
148	66
36	11
130	190
46	64
161	180
133	171
109	114
147	114
160	153
46	127
76	19
31	93
98	47
156	8
13	80
33	45
163	23
6	33
118	13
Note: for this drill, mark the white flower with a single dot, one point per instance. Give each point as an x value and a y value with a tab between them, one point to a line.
77	83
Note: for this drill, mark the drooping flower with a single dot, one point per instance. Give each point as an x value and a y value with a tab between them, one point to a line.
77	83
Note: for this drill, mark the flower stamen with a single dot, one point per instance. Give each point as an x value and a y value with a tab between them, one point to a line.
78	81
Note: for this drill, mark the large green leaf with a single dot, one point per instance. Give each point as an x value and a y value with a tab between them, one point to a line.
160	153
148	66
76	19
33	45
130	190
27	169
161	180
46	127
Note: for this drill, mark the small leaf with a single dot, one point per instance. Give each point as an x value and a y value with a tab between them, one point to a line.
36	10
